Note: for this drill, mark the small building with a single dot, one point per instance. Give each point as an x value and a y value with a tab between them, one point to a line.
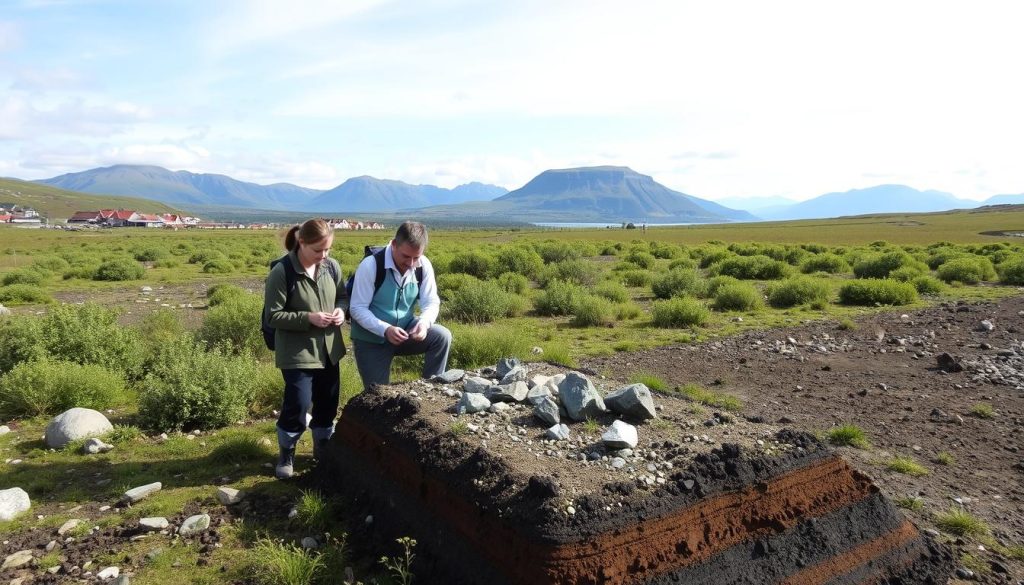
86	217
144	220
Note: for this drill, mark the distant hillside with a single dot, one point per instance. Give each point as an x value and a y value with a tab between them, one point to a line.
367	194
612	194
1004	200
59	204
183	187
879	199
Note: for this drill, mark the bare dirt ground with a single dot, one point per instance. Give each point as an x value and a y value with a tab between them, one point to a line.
884	377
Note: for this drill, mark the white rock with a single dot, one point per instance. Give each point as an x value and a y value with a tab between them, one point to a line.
137	493
15	560
74	424
621	435
310	543
153	523
4	429
13	501
194	525
229	496
4	311
94	445
68	526
109	573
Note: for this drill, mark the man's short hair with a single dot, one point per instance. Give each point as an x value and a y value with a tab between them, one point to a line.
413	233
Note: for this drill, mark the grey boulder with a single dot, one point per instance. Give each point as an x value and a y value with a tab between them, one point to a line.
13	501
471	403
547	411
634	401
621	435
75	424
579	397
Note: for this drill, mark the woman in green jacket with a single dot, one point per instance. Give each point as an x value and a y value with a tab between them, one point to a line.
307	338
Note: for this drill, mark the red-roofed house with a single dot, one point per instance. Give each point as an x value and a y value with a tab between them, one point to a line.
119	218
85	217
144	220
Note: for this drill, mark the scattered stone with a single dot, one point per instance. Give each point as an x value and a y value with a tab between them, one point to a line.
310	543
68	526
634	401
13	501
75	424
94	446
194	525
618	463
964	573
228	496
506	365
511	392
472	402
138	493
153	523
109	573
537	380
537	394
4	311
17	559
559	432
475	385
986	325
4	429
621	435
547	411
948	363
579	397
516	374
451	376
497	407
535	350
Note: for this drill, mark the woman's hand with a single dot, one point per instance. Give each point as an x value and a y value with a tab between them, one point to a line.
325	319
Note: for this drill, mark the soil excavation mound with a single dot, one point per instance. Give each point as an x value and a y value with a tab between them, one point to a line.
704	497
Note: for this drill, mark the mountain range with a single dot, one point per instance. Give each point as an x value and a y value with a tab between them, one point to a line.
588	194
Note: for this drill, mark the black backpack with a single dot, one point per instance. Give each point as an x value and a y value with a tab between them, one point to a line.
289	284
378	254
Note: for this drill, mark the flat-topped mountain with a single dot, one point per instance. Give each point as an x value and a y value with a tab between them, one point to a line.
878	199
368	194
613	194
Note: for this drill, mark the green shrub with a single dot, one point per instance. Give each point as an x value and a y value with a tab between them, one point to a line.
167	263
578	272
480	302
968	270
676	283
741	296
624	311
518	260
204	256
928	285
220	293
120	269
1011	270
880	265
191	386
709	398
751	268
276	563
613	291
907	273
798	290
642	259
559	298
636	278
50	264
23	294
50	387
513	283
983	410
961	523
716	282
679	312
683	264
474	346
592	311
22	276
877	292
553	252
448	283
236	323
665	251
218	266
831	263
709	255
472	262
151	254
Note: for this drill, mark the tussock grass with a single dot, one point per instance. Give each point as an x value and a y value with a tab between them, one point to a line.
945	458
278	563
709	398
650	380
313	511
911	503
960	522
241	449
906	466
848	435
983	410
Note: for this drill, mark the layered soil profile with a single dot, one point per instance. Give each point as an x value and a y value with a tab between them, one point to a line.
796	516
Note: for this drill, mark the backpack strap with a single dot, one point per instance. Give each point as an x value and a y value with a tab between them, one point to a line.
378	280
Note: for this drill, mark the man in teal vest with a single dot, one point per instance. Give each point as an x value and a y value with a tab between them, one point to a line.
384	323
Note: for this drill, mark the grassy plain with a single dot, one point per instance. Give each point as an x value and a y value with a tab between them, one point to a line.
625	266
58	204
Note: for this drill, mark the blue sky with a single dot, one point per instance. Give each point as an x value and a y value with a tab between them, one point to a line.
715	99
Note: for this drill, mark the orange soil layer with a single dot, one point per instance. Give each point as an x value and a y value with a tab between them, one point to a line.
637	551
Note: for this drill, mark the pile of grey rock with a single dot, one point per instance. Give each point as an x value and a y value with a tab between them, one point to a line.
1002	366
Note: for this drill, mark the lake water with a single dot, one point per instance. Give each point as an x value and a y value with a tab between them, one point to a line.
600	225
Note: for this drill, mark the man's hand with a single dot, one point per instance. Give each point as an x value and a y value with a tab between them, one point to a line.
396	335
419	331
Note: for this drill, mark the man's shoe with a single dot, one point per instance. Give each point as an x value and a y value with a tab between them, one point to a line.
285	464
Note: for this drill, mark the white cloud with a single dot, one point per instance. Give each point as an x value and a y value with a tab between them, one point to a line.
61	78
10	36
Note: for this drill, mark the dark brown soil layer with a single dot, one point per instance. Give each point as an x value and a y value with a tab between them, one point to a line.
758	516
